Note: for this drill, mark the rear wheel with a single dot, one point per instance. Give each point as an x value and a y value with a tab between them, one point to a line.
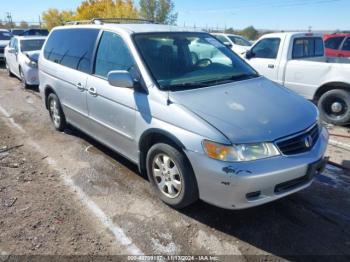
334	107
57	116
171	176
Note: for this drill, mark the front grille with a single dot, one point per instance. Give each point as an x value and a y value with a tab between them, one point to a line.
300	143
2	50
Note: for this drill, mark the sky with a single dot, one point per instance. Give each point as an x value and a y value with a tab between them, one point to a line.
262	14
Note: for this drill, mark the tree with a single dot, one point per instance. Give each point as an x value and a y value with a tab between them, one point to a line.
90	9
160	11
23	24
250	32
53	17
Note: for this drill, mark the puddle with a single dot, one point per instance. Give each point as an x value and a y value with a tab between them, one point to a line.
335	177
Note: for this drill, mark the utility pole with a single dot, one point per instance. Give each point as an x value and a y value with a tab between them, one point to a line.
39	21
9	19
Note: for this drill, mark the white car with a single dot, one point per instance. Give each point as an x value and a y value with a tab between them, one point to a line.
296	60
237	43
22	58
5	37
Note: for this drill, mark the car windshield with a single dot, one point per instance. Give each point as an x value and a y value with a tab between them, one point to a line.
31	45
5	35
17	31
180	61
239	40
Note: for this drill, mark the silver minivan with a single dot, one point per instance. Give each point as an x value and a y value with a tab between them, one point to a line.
186	109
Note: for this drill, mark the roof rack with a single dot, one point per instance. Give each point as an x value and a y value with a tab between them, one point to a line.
116	20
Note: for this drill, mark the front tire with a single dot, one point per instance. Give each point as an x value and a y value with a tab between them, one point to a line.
171	176
9	73
334	107
56	113
23	79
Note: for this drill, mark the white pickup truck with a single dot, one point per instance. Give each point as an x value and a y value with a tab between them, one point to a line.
297	61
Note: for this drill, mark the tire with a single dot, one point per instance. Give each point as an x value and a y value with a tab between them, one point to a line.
334	107
9	73
56	113
23	79
187	193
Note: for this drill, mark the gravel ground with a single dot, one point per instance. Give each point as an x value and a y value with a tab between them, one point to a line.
41	214
38	215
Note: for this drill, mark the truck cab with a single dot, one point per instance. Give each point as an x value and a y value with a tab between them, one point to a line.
297	61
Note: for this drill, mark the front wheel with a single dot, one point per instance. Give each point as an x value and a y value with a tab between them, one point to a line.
56	112
9	73
334	107
23	79
171	176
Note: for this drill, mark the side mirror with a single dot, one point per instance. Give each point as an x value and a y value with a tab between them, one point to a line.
228	44
11	50
249	54
120	78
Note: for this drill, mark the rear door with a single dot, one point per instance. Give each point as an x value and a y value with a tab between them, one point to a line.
265	57
112	109
302	73
71	51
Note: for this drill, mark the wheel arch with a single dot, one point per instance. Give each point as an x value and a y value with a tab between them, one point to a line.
47	91
153	136
330	86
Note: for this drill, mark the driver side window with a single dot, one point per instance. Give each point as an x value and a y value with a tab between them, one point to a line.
266	48
112	54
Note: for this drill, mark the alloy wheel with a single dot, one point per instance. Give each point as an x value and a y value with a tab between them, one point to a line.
167	175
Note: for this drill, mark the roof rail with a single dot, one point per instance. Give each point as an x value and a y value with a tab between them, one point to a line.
116	20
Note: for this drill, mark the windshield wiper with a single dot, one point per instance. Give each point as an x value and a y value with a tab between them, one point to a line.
231	78
184	86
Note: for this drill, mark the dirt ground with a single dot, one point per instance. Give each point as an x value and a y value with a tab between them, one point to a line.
64	193
38	214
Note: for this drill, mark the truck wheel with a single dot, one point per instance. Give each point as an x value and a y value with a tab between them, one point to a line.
171	176
334	107
56	113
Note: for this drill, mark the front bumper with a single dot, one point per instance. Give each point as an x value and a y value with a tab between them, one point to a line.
247	184
31	75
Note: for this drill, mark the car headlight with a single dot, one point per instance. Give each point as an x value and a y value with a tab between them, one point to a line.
239	152
31	63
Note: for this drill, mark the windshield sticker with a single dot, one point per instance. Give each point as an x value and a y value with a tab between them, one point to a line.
214	42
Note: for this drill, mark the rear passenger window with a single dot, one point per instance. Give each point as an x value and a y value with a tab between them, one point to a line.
334	42
346	46
112	54
307	47
72	48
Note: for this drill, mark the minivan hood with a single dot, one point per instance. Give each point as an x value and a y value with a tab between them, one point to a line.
249	111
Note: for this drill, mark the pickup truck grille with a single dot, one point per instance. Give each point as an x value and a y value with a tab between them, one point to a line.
300	143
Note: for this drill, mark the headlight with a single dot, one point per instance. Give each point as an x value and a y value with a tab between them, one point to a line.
239	152
31	63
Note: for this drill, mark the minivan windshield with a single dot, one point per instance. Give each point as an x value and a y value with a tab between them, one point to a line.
180	61
31	45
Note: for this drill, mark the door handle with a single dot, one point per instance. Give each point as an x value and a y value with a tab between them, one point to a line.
80	86
271	66
92	91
